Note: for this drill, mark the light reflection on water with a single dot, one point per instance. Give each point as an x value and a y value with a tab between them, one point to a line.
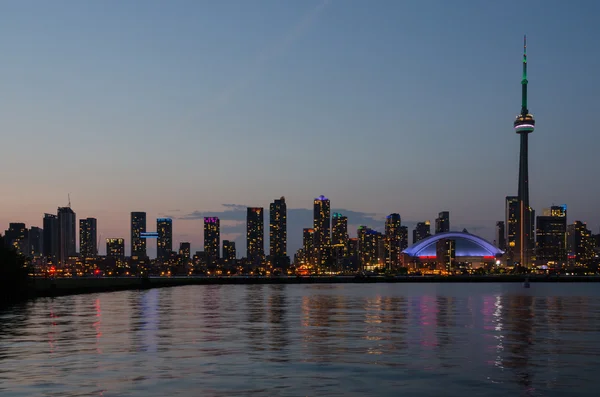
295	340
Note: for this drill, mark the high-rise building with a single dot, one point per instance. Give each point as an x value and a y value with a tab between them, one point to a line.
500	235
164	242
403	236
511	221
580	244
308	245
339	230
88	240
115	248
185	249
393	238
255	231
524	125
212	238
229	252
370	246
446	253
66	234
421	231
36	241
17	236
322	227
442	222
551	237
138	226
51	236
278	232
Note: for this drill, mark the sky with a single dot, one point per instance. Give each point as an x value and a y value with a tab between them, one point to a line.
187	108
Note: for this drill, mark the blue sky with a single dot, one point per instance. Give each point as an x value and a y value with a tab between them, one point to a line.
383	106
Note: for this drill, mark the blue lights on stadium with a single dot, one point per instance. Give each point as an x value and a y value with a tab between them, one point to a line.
467	244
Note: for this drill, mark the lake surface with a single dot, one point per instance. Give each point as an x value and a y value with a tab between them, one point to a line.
307	340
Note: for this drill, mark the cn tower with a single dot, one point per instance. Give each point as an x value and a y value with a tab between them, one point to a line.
524	125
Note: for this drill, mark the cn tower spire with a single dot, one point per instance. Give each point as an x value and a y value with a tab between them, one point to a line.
524	109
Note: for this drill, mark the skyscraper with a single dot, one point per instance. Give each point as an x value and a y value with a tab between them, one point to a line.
403	236
185	249
17	236
442	222
50	236
164	243
421	231
66	234
36	241
212	238
278	232
524	125
580	243
500	235
88	243
229	252
115	248
511	222
255	231
393	236
138	226
308	245
339	230
322	227
551	237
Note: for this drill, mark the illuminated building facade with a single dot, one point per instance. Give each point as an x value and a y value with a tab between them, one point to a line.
442	222
511	220
501	235
551	237
308	245
322	227
50	236
393	238
17	236
36	241
446	253
255	232
185	249
229	251
88	240
580	244
138	226
66	234
524	125
421	231
403	236
212	237
115	248
370	246
339	232
164	242
278	233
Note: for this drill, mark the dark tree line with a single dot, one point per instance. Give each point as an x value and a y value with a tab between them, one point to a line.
14	274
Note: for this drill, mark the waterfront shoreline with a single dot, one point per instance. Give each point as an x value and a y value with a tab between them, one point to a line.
73	286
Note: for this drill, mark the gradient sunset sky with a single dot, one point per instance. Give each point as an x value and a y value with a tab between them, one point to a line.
178	107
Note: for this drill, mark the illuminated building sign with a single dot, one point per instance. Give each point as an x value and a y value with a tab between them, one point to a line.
149	235
211	220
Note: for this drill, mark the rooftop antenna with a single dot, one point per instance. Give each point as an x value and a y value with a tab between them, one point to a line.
69	197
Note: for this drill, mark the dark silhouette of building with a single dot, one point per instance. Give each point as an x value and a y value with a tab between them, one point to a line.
255	231
500	235
17	236
308	245
185	249
88	240
580	244
524	125
50	236
421	231
36	241
138	226
511	217
403	232
442	222
551	237
164	242
229	251
66	234
115	248
278	233
212	238
393	238
446	253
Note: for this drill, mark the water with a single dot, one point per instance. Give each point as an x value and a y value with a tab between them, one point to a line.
307	340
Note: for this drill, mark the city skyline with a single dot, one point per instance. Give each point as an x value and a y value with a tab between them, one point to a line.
369	126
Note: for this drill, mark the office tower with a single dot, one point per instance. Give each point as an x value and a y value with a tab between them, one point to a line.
442	222
339	230
255	231
164	243
115	248
580	244
403	236
524	125
50	236
322	227
36	241
551	237
308	244
185	249
229	252
138	226
500	235
66	234
212	238
421	231
511	223
88	240
369	246
393	237
17	236
446	253
278	232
